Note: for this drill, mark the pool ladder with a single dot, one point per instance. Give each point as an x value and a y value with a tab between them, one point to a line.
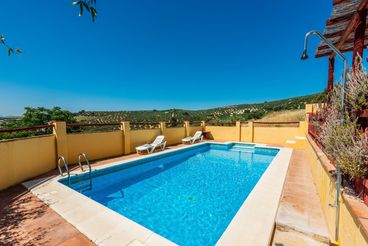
80	156
89	167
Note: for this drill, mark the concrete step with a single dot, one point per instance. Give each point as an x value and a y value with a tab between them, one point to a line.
300	216
293	238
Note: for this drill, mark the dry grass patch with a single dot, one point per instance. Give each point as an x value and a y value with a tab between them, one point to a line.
285	116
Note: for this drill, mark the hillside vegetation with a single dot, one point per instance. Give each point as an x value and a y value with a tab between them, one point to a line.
281	110
242	112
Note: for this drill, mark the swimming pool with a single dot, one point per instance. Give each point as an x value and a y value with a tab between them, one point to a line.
188	196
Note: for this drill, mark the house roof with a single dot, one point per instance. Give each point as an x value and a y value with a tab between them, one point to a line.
340	26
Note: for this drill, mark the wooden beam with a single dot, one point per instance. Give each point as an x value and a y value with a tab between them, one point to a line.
338	1
335	34
336	20
318	55
349	41
359	36
353	24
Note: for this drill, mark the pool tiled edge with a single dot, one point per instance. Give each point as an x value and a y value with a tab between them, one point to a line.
254	222
106	227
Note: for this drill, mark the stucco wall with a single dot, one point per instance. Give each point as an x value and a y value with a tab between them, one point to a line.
223	133
193	129
140	137
278	135
174	135
350	230
246	134
287	136
96	145
22	159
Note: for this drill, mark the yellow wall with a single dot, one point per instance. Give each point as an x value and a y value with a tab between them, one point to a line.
96	145
109	144
140	137
349	229
223	133
246	134
314	107
293	137
279	135
26	158
174	135
193	129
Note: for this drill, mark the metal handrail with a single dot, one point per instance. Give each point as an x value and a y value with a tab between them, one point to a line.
89	167
91	124
61	158
144	123
10	130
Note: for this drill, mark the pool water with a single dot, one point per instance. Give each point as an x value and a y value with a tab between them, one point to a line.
189	198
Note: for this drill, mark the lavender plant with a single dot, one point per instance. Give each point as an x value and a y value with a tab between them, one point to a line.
339	136
357	88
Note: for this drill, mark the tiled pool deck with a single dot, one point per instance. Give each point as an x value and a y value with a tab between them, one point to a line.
24	219
300	217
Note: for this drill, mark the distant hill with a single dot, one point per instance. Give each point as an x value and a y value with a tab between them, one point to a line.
4	119
228	113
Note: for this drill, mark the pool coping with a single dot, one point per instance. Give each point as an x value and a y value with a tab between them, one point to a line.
104	226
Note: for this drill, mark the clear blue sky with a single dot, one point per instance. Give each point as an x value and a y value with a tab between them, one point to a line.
144	54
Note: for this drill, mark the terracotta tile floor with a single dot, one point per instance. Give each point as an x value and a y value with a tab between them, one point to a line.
25	220
300	219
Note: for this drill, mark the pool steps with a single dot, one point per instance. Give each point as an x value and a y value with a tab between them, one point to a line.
245	148
84	156
80	156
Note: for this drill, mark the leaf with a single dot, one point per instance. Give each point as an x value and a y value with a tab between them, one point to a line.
80	9
93	13
10	51
86	5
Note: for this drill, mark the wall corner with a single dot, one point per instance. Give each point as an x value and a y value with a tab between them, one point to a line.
125	128
59	131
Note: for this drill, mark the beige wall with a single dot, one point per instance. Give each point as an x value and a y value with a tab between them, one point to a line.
96	145
174	135
349	228
223	133
286	136
314	107
246	134
293	137
22	159
140	137
193	129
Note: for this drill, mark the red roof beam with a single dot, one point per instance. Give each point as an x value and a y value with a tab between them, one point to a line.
353	24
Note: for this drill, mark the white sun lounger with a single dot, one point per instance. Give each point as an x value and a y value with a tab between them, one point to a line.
198	136
150	148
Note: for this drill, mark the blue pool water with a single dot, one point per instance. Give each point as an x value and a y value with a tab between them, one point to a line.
189	197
